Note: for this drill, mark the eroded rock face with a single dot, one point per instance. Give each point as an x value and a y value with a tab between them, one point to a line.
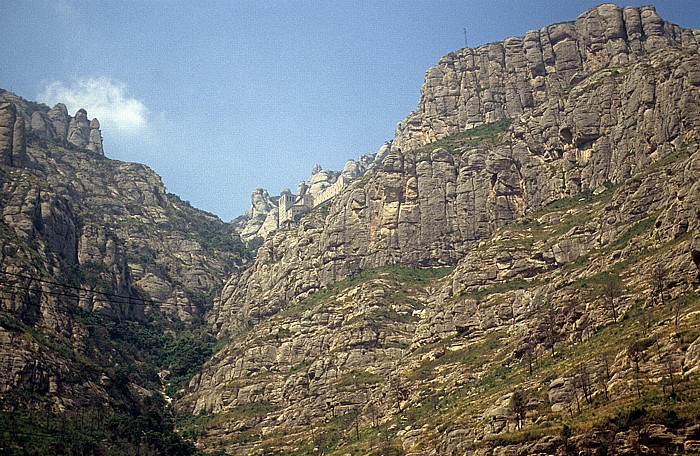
8	114
474	86
12	135
51	124
609	100
261	219
60	120
95	137
432	205
79	129
263	216
109	232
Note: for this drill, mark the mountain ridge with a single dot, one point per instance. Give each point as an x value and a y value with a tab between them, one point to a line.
509	278
438	203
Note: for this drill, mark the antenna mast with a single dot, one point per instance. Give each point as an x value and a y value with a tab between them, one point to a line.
465	38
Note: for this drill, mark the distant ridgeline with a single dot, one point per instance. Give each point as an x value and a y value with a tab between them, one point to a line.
267	213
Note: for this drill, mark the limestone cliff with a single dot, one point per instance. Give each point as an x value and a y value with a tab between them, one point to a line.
52	124
431	205
516	272
471	87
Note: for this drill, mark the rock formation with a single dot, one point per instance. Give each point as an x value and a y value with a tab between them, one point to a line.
60	120
12	140
91	250
263	216
515	273
54	123
600	114
471	87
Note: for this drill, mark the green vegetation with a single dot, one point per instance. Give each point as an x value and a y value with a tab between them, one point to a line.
89	431
483	135
181	355
210	232
360	378
643	226
397	273
131	353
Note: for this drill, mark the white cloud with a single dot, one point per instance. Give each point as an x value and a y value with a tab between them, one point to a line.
101	97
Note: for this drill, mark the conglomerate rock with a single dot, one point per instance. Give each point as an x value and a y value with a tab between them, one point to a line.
603	112
471	87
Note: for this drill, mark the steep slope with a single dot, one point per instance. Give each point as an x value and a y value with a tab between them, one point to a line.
568	217
104	276
429	206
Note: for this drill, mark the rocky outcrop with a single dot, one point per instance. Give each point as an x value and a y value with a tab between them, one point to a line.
60	120
79	129
471	87
257	221
577	173
263	217
12	135
432	205
87	242
52	124
485	290
95	138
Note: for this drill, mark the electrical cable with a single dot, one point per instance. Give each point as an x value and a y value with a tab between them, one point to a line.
79	288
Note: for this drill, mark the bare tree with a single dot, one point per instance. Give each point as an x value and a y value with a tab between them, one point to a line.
669	370
635	351
658	280
583	325
549	329
582	381
398	391
373	412
526	351
518	406
611	291
604	375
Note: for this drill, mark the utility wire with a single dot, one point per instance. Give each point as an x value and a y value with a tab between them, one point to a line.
119	298
58	293
73	287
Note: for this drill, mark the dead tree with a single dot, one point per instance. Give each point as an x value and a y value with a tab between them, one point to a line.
549	328
518	406
611	291
604	375
658	280
669	370
582	381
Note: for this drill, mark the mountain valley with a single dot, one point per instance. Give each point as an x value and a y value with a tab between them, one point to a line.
516	272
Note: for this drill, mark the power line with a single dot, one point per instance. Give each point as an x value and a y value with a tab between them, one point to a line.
73	287
58	293
118	298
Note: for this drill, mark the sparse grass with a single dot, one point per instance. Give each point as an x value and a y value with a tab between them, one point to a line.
396	273
359	378
488	134
499	288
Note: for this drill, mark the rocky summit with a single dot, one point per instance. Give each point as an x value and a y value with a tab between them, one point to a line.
515	273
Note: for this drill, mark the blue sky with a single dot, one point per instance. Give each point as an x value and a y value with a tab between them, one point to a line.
221	97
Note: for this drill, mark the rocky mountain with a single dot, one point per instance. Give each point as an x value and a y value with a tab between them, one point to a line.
515	273
263	216
104	273
544	172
